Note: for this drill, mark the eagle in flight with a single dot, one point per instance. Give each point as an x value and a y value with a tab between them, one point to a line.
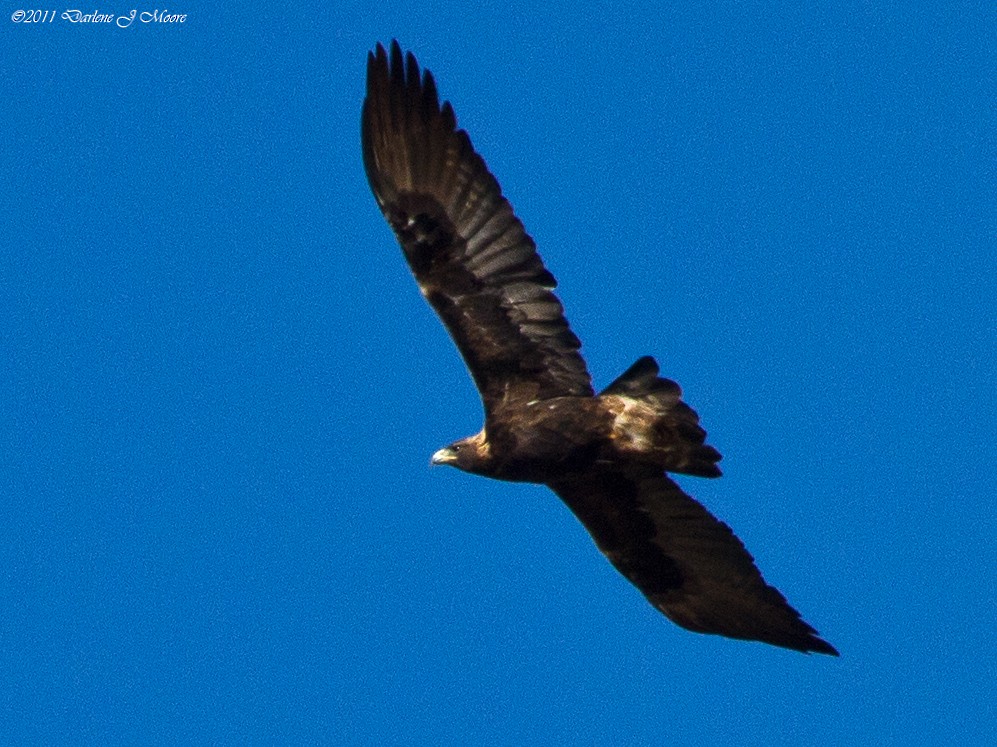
605	455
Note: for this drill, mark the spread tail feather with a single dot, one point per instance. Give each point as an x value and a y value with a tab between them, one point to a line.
678	421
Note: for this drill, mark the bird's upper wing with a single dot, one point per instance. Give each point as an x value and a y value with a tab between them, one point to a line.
687	563
470	255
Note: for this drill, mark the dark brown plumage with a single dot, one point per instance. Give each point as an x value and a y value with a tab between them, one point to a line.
605	455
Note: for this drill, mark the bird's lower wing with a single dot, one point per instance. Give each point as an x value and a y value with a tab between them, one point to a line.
687	563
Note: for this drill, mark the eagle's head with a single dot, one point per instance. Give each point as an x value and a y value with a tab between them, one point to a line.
471	454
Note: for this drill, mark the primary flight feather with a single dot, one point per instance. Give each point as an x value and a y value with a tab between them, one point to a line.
605	455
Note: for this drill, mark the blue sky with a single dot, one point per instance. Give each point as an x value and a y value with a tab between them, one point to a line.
219	387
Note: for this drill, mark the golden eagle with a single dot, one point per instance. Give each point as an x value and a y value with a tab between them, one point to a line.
605	455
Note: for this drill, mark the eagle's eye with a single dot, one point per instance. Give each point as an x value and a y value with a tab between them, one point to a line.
457	447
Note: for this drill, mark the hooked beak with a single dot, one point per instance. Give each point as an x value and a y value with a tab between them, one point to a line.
443	456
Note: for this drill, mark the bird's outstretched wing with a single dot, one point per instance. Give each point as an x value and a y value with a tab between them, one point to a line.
687	563
470	255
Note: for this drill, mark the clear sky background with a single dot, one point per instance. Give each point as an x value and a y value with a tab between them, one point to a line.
220	388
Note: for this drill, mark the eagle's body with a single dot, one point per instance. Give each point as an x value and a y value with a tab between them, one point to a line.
605	455
546	439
